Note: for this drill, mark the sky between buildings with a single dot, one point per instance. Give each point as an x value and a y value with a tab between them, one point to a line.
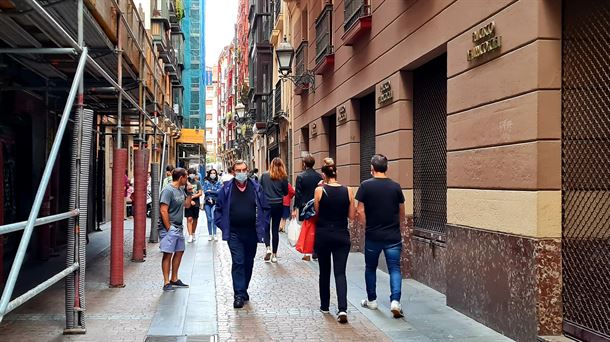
220	18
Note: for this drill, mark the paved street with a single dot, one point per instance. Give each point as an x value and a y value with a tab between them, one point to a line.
283	307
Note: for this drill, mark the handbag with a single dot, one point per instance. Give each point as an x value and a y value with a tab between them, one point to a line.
307	236
293	230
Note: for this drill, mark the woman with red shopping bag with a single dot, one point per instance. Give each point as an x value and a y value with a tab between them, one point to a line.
334	204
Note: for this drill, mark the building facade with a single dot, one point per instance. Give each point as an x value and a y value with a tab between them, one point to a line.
194	64
211	118
467	101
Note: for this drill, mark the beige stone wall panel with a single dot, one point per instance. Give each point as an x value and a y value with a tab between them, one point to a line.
348	133
402	172
348	154
527	166
533	116
518	24
525	213
349	175
401	85
398	115
395	145
318	143
535	66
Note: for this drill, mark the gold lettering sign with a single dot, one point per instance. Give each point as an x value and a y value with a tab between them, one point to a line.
486	40
385	95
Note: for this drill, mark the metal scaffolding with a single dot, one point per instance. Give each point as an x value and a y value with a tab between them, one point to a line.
86	45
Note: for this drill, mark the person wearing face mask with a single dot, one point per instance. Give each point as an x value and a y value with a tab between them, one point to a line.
275	185
211	186
174	198
242	213
192	213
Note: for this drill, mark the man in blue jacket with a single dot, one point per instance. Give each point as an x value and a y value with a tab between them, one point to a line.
242	213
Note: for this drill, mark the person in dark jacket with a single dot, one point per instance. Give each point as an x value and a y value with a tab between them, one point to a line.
275	185
305	186
242	213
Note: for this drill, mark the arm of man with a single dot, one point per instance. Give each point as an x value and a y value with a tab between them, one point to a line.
218	209
352	207
360	214
164	209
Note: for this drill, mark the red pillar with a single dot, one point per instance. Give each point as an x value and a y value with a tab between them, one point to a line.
139	205
119	167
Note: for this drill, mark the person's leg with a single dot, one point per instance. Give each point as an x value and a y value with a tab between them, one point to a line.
250	253
189	225
208	215
237	265
194	224
392	256
212	222
276	217
372	249
340	255
324	280
165	267
176	265
267	238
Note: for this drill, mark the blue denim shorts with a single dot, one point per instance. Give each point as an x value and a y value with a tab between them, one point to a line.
171	241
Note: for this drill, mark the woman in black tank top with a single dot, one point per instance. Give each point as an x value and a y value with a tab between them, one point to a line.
334	205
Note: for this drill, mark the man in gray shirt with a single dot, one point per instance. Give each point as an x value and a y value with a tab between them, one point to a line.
174	198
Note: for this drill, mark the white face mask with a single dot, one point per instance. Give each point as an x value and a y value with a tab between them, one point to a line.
241	177
212	176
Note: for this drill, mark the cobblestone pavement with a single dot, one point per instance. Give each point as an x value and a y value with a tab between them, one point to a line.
112	314
284	304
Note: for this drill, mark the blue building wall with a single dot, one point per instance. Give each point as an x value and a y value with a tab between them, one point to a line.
193	25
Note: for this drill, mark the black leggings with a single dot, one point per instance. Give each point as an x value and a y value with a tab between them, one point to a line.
274	226
337	245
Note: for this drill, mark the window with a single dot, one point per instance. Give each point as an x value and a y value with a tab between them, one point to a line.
304	25
209	131
208	117
324	45
209	102
194	96
354	10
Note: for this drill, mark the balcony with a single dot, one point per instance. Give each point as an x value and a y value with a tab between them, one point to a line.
161	14
325	55
358	20
300	67
159	35
260	32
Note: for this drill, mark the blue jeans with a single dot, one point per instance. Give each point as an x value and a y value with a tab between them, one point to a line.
242	245
392	251
209	213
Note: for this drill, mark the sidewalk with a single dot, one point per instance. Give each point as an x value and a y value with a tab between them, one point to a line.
112	314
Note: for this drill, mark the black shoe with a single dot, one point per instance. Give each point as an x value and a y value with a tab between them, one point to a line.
178	283
247	298
238	303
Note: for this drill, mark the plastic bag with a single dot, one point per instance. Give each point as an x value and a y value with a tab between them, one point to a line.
293	230
307	236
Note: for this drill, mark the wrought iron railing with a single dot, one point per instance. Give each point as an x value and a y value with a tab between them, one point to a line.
278	97
324	46
355	9
300	65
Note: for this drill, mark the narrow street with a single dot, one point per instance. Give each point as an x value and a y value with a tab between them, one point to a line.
283	306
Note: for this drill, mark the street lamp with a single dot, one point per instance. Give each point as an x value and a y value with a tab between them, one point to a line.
285	55
240	109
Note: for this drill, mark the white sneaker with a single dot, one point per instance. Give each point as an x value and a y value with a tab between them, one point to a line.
342	317
211	237
216	238
274	258
190	238
396	309
369	304
194	238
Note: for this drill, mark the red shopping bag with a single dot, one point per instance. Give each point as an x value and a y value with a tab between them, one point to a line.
307	236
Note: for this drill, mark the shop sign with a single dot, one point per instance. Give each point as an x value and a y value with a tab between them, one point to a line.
486	41
342	115
385	93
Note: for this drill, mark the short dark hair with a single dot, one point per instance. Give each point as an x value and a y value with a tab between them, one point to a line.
177	173
230	169
379	162
192	171
309	161
169	168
